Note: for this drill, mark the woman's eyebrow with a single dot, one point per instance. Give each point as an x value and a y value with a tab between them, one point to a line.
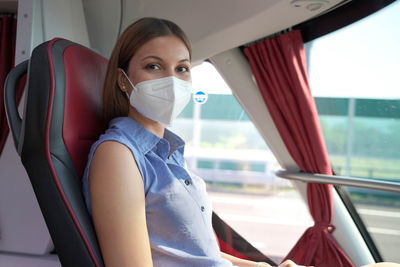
160	59
154	57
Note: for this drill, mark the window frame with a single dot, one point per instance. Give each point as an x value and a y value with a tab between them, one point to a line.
343	15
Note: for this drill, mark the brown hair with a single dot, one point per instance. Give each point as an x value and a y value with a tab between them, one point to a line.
116	103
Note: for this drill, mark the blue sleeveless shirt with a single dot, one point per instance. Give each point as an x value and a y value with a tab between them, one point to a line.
178	212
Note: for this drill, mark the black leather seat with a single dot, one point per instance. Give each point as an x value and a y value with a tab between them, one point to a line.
62	118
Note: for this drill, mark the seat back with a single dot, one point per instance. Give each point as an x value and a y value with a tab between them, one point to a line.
62	118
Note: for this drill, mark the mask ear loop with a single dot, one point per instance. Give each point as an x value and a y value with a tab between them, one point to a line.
127	95
131	83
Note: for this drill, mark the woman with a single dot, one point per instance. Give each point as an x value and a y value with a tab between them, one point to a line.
147	207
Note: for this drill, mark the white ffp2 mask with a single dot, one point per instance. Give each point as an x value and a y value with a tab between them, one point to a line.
161	99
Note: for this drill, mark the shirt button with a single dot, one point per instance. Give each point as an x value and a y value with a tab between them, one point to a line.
202	208
187	182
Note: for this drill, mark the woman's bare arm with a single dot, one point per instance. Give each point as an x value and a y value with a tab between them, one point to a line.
118	206
237	261
246	263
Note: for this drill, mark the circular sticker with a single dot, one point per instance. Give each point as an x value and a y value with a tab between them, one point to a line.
200	97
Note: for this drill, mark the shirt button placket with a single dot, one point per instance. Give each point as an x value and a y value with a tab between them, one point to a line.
202	208
187	182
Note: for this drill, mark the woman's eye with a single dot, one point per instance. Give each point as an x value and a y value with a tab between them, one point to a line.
152	67
183	69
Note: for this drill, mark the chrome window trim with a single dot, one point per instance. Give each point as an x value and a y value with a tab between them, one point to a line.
340	180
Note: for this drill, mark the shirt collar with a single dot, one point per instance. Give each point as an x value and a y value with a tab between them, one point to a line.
148	140
174	141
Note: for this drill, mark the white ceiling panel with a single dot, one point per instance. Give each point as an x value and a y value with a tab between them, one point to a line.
214	26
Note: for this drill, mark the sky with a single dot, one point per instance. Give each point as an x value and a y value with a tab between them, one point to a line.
206	77
361	60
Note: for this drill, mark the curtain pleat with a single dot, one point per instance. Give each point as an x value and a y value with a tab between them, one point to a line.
280	69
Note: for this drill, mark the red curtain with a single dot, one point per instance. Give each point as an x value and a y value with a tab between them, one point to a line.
279	67
8	29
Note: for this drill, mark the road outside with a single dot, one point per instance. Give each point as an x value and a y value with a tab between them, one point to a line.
273	223
383	223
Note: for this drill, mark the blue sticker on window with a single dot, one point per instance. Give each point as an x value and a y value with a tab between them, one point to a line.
200	97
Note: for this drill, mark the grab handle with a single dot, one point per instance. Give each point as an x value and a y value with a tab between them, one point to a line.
10	100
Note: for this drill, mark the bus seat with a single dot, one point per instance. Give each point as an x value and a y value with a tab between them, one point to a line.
61	119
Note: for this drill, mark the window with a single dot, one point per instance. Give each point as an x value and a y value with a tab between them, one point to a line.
226	150
354	79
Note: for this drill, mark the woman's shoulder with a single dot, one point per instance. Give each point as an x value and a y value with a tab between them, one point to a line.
121	130
109	156
117	141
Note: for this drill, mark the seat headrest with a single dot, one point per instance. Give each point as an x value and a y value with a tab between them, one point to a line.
83	113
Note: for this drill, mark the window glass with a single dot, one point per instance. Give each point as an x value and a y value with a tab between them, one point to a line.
226	150
353	76
380	212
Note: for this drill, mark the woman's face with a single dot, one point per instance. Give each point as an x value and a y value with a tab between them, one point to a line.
158	58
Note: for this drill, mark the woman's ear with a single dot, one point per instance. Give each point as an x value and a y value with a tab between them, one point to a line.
122	81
